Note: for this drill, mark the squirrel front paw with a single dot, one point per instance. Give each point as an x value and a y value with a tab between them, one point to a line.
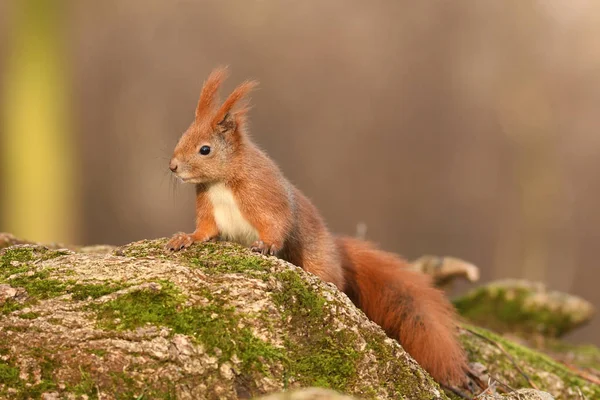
180	241
264	248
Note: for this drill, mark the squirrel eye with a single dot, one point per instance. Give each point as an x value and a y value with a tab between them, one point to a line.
205	150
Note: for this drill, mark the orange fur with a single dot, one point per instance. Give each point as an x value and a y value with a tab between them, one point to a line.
255	199
234	98
406	306
206	227
209	91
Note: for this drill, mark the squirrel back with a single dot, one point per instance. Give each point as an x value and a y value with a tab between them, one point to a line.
242	196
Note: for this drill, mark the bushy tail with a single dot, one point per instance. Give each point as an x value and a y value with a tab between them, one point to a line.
406	306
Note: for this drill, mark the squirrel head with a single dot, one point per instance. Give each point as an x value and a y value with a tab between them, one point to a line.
204	152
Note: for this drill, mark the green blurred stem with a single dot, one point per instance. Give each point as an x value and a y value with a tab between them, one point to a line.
38	149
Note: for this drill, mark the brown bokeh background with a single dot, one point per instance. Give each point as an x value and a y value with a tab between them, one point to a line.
452	128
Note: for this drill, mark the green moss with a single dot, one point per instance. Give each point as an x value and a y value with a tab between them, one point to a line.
143	248
9	270
86	386
33	391
329	362
231	265
506	310
323	358
15	328
226	259
503	366
220	258
98	352
384	356
141	307
85	291
320	357
18	259
253	352
39	285
9	375
584	356
124	387
29	315
313	353
9	306
213	325
216	258
298	298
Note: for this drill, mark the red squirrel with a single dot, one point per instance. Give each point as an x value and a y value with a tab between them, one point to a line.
242	196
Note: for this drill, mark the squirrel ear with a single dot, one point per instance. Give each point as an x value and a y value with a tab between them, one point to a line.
234	100
206	104
227	124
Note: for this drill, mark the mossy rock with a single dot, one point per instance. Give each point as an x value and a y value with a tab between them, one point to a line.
213	321
325	394
524	308
308	394
518	366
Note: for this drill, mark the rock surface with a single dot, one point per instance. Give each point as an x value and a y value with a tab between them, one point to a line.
521	394
325	394
212	322
308	394
444	270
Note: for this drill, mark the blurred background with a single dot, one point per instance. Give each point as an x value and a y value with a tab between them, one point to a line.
467	128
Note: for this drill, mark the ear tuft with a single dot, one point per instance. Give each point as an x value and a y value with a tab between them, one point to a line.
206	104
237	99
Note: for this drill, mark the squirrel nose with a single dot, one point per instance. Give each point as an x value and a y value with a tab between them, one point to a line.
173	165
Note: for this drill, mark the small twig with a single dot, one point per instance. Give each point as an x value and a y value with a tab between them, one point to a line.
582	374
457	392
491	387
581	396
512	360
506	385
476	379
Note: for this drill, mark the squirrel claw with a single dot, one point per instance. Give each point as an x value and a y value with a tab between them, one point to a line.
180	241
261	247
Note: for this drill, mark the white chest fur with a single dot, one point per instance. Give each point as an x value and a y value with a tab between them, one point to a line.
230	221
